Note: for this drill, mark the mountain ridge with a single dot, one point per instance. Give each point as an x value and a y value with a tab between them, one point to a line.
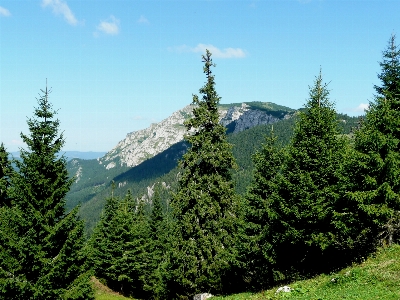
143	144
246	128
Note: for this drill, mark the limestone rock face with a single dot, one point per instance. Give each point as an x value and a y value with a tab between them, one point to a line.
141	145
251	118
234	113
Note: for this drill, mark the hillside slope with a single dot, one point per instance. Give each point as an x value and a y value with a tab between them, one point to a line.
378	277
93	178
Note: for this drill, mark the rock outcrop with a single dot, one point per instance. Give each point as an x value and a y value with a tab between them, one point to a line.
141	145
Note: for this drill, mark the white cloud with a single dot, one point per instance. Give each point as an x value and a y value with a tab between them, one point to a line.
111	26
4	12
216	52
143	20
362	107
61	7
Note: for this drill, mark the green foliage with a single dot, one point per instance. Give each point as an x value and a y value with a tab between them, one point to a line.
92	186
247	142
101	244
254	240
118	248
374	187
204	205
390	75
160	232
6	172
41	250
301	227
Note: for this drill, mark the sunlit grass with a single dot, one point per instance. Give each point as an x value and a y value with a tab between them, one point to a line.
376	278
101	292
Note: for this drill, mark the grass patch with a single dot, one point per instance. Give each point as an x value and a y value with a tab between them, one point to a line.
376	278
102	292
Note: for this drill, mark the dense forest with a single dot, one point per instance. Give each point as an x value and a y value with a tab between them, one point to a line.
277	203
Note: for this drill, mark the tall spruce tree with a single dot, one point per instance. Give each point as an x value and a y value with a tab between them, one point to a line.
374	185
6	172
158	247
44	242
301	227
118	248
7	261
101	244
131	246
204	204
254	241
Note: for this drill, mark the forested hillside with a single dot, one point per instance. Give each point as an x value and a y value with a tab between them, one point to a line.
313	193
163	168
308	192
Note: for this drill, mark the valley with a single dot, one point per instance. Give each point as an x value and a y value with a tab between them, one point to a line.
151	155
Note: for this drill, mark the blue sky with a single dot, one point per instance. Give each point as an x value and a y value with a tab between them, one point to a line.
117	66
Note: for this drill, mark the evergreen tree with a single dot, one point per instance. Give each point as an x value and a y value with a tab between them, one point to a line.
100	247
6	172
119	245
301	227
374	184
255	241
158	247
131	245
44	242
390	75
135	261
204	205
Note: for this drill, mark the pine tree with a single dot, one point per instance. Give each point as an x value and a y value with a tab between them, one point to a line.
255	240
301	227
44	241
374	184
204	205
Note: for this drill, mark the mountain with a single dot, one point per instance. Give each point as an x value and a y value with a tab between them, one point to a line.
151	155
141	145
72	154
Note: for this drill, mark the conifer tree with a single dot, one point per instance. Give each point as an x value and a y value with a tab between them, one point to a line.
255	240
7	233
135	259
100	247
374	184
204	205
390	75
301	225
158	247
131	245
44	242
119	245
6	172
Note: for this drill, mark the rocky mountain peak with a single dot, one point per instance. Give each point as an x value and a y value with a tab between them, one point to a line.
141	145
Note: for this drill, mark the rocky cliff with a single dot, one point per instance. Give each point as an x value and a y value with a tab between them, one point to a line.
143	144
